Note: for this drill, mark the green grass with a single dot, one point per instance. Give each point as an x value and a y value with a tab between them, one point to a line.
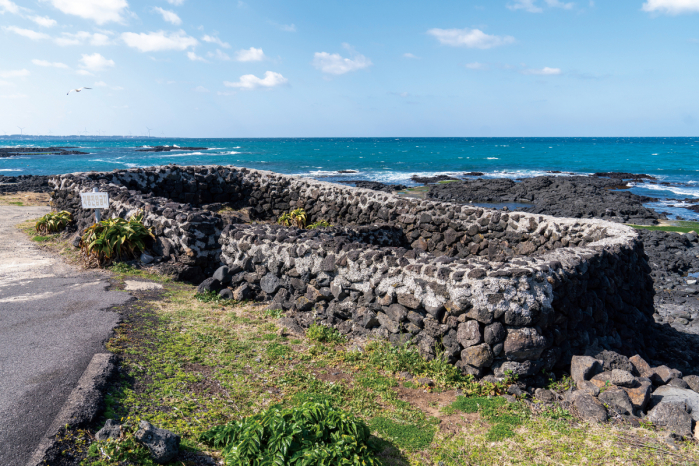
677	226
43	239
447	181
409	437
323	334
18	203
188	365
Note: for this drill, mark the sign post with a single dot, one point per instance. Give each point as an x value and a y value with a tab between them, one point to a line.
95	200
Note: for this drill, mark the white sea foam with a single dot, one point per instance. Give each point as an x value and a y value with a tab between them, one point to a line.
492	158
11	170
680	190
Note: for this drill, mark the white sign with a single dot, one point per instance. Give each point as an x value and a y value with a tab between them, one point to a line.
95	200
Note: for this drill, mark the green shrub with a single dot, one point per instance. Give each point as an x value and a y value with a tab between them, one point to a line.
310	434
323	334
274	313
53	222
319	224
296	217
115	238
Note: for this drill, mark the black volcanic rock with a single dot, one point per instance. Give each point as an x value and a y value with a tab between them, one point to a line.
24	183
169	149
432	179
16	151
624	176
376	186
573	196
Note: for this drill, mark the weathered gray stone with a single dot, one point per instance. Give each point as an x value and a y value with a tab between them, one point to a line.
622	378
468	334
210	284
225	294
270	283
667	394
111	430
396	312
588	387
617	400
547	396
641	367
639	395
162	444
662	374
242	293
494	333
692	381
408	300
584	368
223	274
678	383
590	408
524	343
673	416
478	356
612	360
388	323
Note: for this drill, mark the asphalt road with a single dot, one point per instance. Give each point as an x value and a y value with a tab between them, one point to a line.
53	319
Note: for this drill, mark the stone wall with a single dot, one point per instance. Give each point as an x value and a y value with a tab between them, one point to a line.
495	290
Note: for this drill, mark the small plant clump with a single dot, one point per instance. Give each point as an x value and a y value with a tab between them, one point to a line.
53	222
324	334
296	217
320	224
311	434
114	239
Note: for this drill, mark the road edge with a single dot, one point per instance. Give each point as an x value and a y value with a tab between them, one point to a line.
82	407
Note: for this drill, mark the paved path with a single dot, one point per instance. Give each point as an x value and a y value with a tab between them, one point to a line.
52	321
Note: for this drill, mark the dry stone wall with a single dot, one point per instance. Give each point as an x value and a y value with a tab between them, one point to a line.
494	290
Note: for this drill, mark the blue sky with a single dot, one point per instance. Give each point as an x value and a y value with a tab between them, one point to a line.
362	68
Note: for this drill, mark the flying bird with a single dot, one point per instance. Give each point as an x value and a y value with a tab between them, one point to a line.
78	89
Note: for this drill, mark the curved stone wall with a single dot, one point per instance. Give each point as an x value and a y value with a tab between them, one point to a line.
494	290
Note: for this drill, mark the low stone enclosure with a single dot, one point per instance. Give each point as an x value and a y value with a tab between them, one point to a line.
493	290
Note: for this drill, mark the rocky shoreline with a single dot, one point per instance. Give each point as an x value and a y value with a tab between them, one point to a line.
19	151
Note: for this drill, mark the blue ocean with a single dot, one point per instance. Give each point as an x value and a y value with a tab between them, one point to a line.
389	160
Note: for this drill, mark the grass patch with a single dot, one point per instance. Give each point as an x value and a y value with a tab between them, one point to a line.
410	437
677	226
447	181
323	334
17	203
43	239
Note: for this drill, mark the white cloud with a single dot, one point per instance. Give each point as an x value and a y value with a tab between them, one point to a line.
47	63
250	81
471	38
175	2
219	55
28	33
532	7
200	89
100	11
100	84
526	5
226	93
672	7
43	21
84	73
169	16
13	96
410	55
95	62
477	66
159	41
194	57
216	40
6	83
336	64
8	6
14	73
251	54
545	71
559	4
82	37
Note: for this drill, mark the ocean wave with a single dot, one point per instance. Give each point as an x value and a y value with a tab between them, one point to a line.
314	173
11	170
492	158
680	190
